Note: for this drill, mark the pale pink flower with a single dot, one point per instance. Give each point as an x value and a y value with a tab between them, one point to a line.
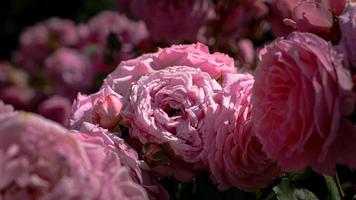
102	108
193	55
40	160
169	107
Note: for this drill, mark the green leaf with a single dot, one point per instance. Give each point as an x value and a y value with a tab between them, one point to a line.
284	191
333	190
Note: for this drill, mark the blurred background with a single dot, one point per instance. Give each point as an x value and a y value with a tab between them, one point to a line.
18	14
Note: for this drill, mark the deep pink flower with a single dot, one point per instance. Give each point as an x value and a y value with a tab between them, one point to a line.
109	38
21	97
172	21
56	108
194	55
246	54
231	148
240	18
70	70
9	75
40	40
40	160
302	94
314	16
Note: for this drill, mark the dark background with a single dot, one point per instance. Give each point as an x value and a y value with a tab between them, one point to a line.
15	15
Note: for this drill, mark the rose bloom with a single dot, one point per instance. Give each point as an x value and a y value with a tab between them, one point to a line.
172	21
102	108
108	38
21	97
56	108
301	97
305	15
347	23
139	171
70	70
40	40
40	160
4	109
169	106
241	20
231	148
280	9
194	55
9	75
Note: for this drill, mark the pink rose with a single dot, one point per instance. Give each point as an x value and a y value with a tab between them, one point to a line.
40	40
280	9
194	55
102	108
109	38
231	148
4	109
316	16
56	108
40	160
246	54
172	21
347	23
138	169
301	96
9	75
241	19
21	97
70	70
168	107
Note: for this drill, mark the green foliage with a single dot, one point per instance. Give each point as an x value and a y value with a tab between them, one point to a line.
285	191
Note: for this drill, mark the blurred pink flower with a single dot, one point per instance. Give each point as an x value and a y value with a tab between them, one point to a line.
40	40
238	21
56	108
194	55
21	97
9	75
41	160
246	54
5	109
231	148
70	70
111	34
172	21
301	96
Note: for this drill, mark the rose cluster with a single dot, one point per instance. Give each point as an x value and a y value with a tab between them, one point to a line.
246	117
56	59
